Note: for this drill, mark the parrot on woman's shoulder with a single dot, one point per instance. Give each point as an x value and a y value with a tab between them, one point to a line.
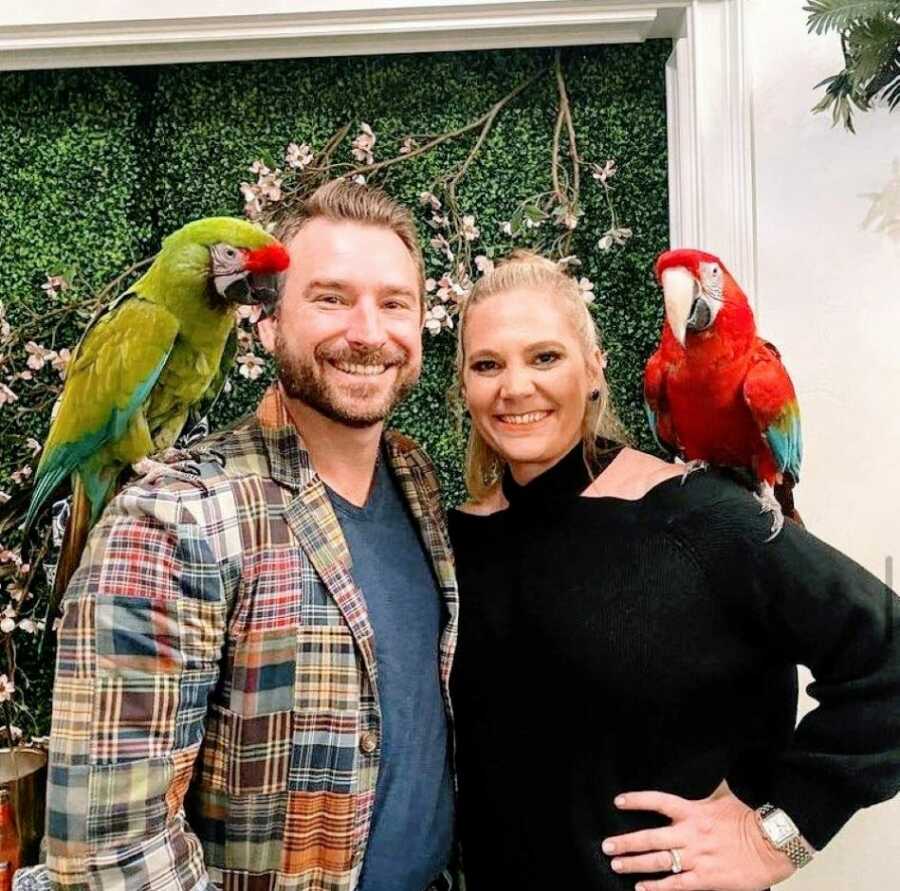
717	393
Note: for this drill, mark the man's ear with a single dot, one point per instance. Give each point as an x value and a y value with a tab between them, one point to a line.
265	328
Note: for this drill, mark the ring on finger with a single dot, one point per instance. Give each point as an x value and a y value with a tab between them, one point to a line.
677	865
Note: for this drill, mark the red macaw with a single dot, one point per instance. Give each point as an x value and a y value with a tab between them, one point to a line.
715	392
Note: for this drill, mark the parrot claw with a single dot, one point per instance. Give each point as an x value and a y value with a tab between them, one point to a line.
769	505
691	467
150	470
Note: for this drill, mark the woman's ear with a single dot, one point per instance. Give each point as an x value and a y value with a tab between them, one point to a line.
596	362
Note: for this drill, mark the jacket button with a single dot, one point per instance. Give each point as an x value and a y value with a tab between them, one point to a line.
368	741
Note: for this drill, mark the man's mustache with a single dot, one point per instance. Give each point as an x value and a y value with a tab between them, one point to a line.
379	356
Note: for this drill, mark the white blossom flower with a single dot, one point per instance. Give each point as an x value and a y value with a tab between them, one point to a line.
251	366
298	156
469	229
430	285
37	355
7	688
484	264
430	199
4	497
33	444
605	172
359	179
7	626
407	145
438	220
7	395
566	262
586	288
440	244
614	236
506	227
259	168
60	362
252	205
22	474
54	284
248	313
9	556
25	375
28	626
363	143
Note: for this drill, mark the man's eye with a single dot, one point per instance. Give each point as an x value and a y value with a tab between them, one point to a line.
329	298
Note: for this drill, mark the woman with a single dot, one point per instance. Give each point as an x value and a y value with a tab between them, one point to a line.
625	684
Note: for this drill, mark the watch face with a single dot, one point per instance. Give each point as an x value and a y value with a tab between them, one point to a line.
780	828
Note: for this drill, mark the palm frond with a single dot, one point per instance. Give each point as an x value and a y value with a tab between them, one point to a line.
872	45
839	15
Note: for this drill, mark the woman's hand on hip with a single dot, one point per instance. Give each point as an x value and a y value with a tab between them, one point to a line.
718	843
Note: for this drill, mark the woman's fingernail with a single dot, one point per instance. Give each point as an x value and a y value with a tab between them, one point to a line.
609	847
620	801
616	865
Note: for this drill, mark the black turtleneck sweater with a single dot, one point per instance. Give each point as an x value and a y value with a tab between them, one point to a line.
609	646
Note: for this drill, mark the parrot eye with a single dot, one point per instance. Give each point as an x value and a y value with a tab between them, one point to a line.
230	253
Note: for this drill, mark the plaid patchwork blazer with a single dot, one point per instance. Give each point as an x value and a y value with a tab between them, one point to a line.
215	714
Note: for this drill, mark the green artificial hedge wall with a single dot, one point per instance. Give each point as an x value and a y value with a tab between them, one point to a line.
98	165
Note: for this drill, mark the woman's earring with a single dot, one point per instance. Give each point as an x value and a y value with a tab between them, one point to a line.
595	395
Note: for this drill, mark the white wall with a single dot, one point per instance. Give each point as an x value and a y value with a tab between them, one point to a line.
828	295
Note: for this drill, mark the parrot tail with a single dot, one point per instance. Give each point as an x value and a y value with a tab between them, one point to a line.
72	546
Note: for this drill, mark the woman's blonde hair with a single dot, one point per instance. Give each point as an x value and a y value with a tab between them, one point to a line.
526	269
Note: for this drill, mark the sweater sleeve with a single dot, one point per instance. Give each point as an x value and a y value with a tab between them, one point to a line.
811	605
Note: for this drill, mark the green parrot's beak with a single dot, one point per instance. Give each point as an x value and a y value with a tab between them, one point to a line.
253	289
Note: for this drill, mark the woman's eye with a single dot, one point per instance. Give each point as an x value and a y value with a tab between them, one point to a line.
547	358
484	365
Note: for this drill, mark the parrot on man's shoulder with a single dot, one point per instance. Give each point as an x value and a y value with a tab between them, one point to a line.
147	360
717	393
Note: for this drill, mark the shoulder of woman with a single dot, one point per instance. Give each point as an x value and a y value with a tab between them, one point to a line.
492	502
631	476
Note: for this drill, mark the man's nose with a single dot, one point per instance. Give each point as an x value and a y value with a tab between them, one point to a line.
516	382
365	326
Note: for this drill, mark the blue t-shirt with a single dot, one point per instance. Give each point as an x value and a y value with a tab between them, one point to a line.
412	824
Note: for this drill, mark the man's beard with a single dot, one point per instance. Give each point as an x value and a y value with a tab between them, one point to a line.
303	380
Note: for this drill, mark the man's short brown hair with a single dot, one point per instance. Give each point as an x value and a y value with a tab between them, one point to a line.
343	200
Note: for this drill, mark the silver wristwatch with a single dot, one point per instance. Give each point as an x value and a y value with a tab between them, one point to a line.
783	834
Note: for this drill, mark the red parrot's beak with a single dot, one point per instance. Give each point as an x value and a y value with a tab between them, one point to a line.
680	292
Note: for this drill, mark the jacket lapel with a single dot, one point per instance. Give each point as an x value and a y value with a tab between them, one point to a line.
312	520
417	481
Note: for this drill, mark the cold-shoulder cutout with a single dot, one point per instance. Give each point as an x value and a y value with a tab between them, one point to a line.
631	475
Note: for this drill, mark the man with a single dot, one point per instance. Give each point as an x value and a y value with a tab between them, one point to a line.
251	684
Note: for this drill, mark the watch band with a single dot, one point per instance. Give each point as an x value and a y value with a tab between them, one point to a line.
797	850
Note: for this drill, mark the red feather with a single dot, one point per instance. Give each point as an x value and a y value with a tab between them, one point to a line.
268	260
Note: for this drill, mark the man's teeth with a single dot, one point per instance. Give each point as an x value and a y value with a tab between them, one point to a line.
529	418
368	370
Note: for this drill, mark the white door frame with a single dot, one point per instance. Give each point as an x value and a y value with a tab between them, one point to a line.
711	203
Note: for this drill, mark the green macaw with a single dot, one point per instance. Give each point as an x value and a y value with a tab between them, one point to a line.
157	352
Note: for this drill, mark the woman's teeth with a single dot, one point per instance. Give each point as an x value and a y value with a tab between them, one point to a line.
367	370
529	418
